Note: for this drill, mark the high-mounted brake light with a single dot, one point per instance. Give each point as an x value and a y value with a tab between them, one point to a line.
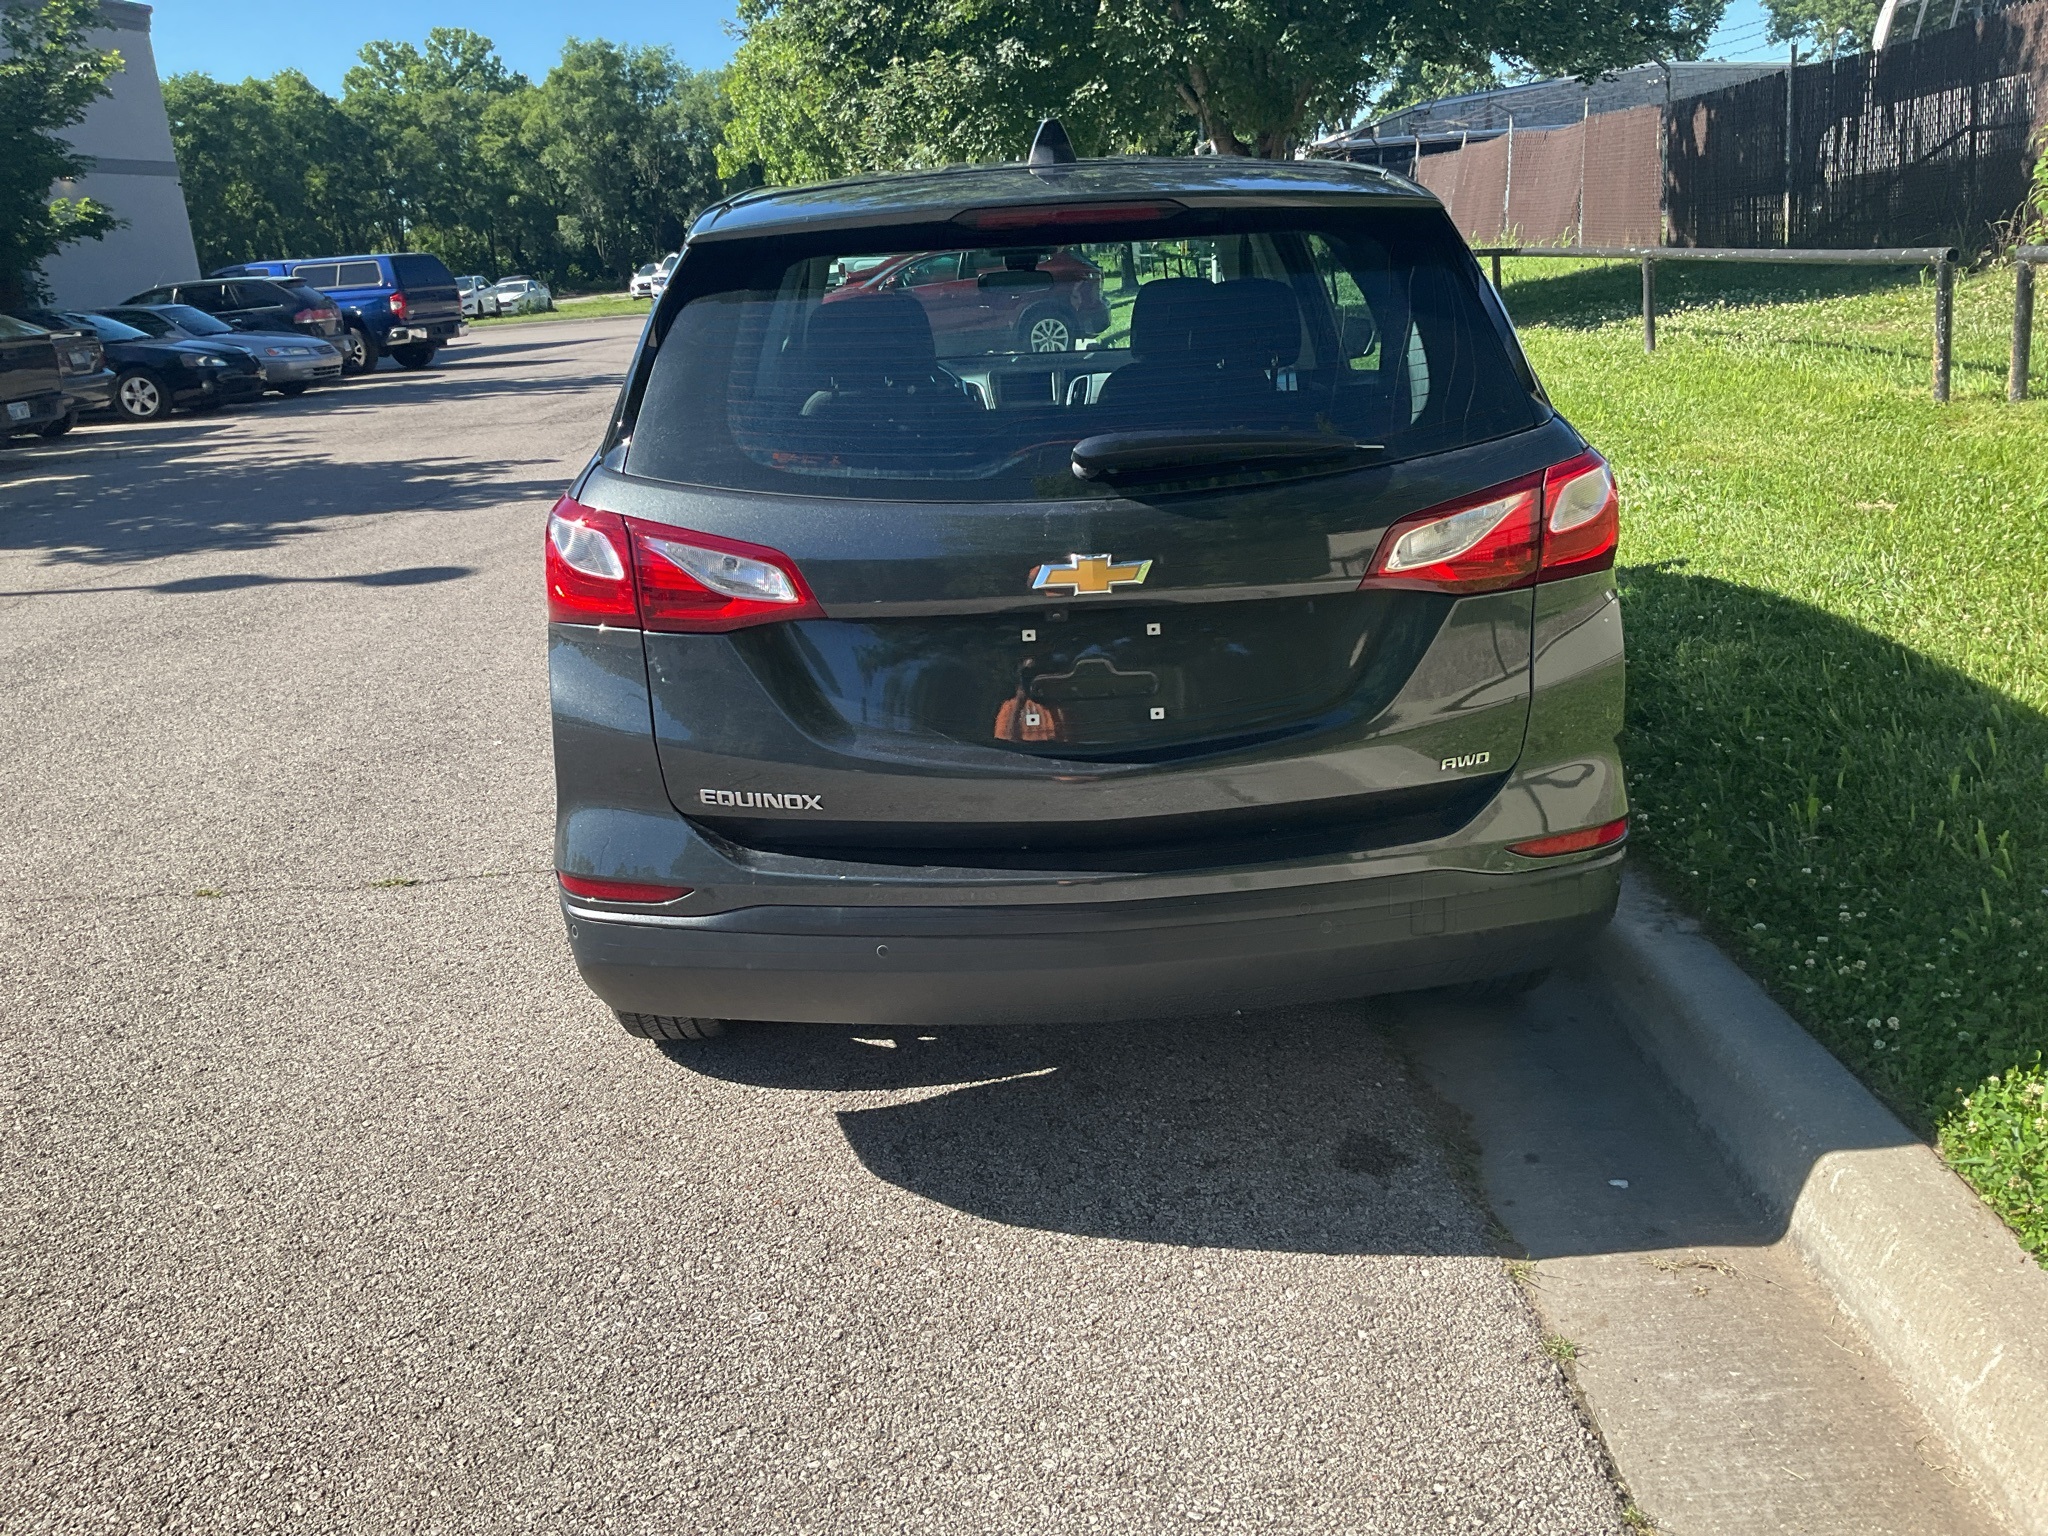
1572	842
1581	517
635	574
592	889
1069	213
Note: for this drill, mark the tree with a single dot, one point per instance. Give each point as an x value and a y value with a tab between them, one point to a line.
49	75
825	86
1831	27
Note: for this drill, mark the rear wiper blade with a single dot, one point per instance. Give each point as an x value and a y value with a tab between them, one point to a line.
1111	455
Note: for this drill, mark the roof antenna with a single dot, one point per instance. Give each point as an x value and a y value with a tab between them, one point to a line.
1051	146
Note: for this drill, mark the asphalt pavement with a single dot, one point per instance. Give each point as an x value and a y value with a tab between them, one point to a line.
331	1202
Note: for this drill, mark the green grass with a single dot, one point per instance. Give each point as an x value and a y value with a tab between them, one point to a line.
574	309
1836	595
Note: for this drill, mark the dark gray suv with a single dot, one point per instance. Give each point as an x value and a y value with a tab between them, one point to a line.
1259	645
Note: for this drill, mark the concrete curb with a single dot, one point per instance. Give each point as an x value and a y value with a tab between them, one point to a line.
1951	1303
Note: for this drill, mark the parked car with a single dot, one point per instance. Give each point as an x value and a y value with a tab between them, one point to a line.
479	297
641	284
1043	300
291	363
406	304
523	295
254	304
88	382
31	380
153	377
1267	654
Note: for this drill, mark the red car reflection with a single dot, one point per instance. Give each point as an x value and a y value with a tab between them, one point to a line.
994	301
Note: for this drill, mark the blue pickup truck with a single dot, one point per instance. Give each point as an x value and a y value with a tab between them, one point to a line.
405	304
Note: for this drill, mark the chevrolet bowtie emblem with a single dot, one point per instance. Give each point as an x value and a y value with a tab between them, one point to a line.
1085	574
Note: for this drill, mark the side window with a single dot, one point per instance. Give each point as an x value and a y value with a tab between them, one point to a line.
360	274
252	295
207	296
943	268
320	275
1358	327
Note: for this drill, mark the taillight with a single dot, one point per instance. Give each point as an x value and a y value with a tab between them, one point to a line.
1483	543
697	583
634	574
1561	523
1581	517
1572	842
397	306
309	317
619	890
590	578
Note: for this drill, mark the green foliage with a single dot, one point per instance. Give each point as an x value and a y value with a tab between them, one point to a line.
442	148
1997	1138
1831	27
49	75
822	87
1838	659
2034	218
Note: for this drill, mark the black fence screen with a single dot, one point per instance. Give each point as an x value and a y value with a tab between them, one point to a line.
1930	142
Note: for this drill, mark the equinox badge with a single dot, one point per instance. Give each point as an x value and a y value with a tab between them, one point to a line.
1083	575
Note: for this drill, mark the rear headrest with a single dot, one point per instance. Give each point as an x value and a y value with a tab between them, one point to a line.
866	338
1258	323
1167	316
1247	322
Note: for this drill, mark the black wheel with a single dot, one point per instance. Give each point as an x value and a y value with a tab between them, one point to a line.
60	426
291	391
662	1026
417	355
140	396
1499	989
1046	329
358	352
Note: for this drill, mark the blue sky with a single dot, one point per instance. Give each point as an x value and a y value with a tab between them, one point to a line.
233	38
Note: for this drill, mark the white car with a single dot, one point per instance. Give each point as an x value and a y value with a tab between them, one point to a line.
479	297
522	295
660	279
642	284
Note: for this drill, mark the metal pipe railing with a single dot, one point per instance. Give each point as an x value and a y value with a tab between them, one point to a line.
1942	258
2025	259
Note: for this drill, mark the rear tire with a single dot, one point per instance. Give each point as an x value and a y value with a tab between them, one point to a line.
662	1026
1046	328
416	355
60	426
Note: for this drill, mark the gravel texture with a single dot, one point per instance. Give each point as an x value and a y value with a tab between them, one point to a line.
333	1204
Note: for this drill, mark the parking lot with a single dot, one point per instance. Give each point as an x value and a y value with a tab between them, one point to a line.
336	1203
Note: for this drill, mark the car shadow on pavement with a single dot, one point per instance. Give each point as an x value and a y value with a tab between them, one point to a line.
239	581
1292	1131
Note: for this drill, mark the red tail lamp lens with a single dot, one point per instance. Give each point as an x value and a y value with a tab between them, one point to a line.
1572	842
589	578
1483	543
398	305
619	890
698	583
1581	517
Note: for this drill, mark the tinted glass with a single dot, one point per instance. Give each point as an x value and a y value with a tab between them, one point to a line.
110	329
300	294
973	371
420	272
359	274
319	275
12	329
248	295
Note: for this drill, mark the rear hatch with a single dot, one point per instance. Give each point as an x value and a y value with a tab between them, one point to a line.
432	301
1104	608
28	370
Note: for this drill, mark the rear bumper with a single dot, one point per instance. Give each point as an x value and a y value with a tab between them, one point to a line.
1091	962
414	335
40	410
89	391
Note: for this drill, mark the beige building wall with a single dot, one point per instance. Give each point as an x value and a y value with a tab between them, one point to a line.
129	135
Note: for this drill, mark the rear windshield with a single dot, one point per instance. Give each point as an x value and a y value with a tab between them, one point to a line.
421	271
866	365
